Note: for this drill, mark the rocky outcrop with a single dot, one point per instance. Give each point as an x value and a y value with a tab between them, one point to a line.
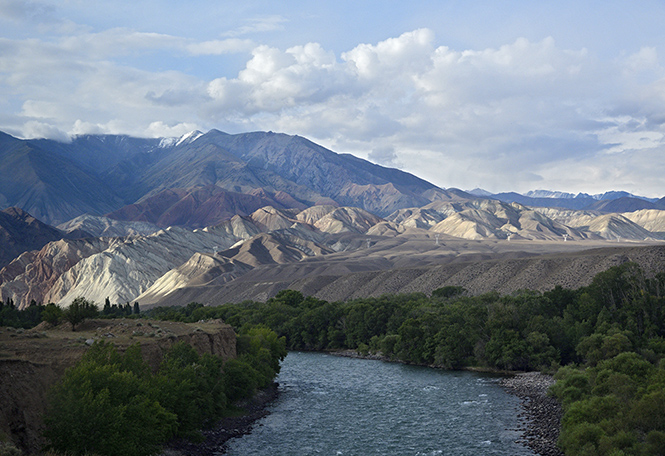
31	275
489	219
651	220
347	219
200	270
304	245
615	227
129	268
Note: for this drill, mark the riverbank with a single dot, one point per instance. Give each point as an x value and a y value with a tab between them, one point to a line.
542	413
215	439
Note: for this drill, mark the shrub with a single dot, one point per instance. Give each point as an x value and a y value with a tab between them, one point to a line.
52	314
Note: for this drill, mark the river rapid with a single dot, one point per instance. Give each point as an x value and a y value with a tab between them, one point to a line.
330	405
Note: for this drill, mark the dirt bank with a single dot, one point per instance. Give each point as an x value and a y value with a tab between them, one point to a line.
31	361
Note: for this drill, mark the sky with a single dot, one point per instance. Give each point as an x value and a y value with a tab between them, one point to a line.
505	96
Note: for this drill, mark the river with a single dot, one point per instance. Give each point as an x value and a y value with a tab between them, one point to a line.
330	406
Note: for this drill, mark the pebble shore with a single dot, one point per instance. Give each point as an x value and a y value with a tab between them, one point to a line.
542	413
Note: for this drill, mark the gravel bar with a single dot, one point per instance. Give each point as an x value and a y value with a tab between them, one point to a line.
542	413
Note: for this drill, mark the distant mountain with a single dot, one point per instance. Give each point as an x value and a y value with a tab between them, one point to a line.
616	195
200	206
96	226
549	194
307	172
193	179
605	202
479	192
567	203
622	204
51	187
600	196
20	231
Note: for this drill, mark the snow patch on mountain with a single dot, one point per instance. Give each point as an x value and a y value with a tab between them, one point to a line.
189	137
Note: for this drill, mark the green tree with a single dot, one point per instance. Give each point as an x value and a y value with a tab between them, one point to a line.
191	387
79	310
448	292
52	314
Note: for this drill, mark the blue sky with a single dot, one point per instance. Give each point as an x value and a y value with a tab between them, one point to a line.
508	96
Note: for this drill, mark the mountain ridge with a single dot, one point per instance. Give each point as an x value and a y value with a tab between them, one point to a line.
101	174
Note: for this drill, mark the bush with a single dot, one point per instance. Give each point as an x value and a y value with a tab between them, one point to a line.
111	403
8	449
240	380
52	314
448	292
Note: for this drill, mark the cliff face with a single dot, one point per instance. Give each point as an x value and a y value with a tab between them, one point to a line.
32	361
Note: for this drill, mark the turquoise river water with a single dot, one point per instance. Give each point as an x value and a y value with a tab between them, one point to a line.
331	406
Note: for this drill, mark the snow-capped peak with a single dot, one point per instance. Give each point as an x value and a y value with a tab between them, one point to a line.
167	142
548	194
189	137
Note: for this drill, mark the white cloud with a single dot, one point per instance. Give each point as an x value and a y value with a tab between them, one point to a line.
274	80
219	47
645	59
86	128
385	156
161	130
403	56
34	129
259	25
503	118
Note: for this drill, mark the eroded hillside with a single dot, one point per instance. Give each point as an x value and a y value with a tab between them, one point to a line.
279	248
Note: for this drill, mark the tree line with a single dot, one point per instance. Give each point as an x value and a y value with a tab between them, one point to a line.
75	313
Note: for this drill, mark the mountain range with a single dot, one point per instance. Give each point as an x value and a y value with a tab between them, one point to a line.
217	217
197	180
320	243
614	201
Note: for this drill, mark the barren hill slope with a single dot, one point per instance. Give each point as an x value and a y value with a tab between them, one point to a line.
418	265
